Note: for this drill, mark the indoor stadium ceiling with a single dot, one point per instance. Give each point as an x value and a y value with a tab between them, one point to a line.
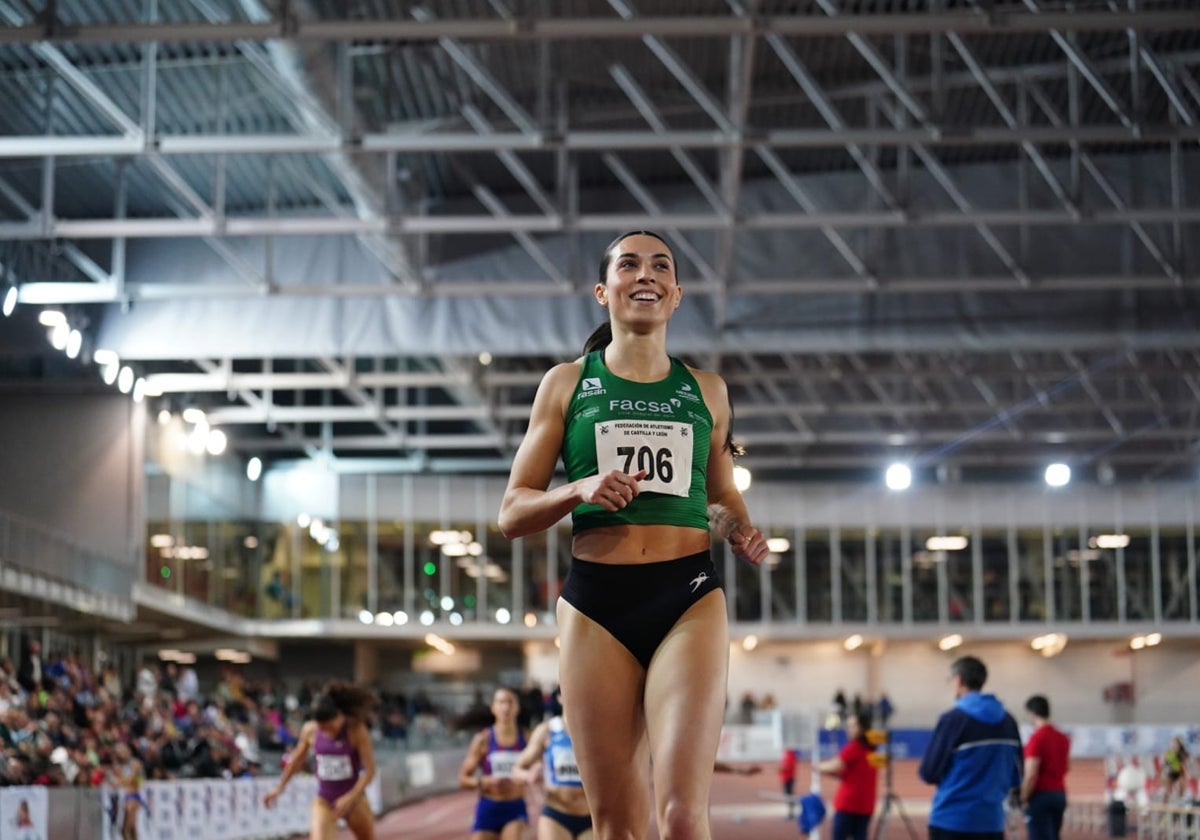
960	232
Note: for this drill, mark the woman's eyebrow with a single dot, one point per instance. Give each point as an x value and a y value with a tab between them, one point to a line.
652	256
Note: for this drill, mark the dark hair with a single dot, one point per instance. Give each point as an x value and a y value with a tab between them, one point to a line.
864	725
971	671
345	698
1038	705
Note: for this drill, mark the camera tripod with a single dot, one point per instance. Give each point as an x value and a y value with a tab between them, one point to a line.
890	800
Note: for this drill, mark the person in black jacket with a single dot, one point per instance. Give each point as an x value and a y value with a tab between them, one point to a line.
974	758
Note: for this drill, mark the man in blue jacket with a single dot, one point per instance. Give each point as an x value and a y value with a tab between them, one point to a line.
974	758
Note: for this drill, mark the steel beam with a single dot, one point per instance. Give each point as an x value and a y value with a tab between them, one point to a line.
598	28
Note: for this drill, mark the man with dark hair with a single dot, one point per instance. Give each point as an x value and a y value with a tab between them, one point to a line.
1043	791
974	758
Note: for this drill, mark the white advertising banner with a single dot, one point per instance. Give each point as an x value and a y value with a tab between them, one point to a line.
24	813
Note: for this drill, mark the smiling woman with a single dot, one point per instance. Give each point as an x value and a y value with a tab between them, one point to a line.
647	446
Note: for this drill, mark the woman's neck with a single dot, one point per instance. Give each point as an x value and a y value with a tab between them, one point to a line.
638	356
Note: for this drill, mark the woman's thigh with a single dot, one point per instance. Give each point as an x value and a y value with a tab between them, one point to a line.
685	703
361	821
602	686
322	825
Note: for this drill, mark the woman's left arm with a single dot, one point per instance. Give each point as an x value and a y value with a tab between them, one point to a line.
747	542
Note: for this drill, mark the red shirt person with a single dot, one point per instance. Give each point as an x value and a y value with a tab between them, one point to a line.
854	802
1047	759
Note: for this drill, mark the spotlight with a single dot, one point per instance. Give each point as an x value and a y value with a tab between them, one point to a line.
10	300
898	477
742	479
1058	475
74	343
125	380
254	468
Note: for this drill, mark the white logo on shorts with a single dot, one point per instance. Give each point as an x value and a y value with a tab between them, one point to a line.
699	579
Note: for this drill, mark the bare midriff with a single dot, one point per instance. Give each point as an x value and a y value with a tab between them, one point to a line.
633	544
569	800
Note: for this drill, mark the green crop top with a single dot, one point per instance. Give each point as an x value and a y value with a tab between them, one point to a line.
661	427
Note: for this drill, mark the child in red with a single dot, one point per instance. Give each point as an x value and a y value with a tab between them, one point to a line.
787	778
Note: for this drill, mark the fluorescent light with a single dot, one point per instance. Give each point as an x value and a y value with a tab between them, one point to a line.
193	415
439	644
74	344
853	642
51	317
366	616
10	300
125	380
778	545
384	619
1137	642
898	477
254	468
105	357
216	443
1058	475
503	616
139	390
950	642
1109	541
750	642
400	617
956	543
1050	644
59	333
1153	639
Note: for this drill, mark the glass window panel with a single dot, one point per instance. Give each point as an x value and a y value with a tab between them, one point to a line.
819	603
1067	560
996	600
782	568
1101	577
960	581
889	577
748	584
854	575
1178	589
1139	576
390	582
1031	575
925	565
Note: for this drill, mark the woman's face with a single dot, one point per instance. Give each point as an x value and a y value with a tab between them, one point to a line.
853	730
641	284
332	726
504	705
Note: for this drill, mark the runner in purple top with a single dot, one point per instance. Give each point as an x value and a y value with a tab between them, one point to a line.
338	735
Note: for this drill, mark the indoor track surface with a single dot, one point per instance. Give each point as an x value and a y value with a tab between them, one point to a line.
742	807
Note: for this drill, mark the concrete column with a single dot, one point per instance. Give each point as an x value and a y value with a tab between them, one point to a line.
366	663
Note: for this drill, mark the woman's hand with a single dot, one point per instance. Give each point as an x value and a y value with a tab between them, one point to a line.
749	544
344	805
269	799
612	490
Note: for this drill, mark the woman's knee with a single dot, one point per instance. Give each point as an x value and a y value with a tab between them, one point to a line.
682	820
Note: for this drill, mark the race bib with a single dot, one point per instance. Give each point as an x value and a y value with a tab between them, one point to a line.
334	768
566	770
503	763
662	449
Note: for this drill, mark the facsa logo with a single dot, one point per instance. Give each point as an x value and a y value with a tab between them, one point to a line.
643	406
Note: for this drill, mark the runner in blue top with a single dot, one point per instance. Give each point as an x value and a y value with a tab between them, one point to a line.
565	814
500	813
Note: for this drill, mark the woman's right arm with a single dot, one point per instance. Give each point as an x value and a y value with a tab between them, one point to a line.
296	759
528	507
467	778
